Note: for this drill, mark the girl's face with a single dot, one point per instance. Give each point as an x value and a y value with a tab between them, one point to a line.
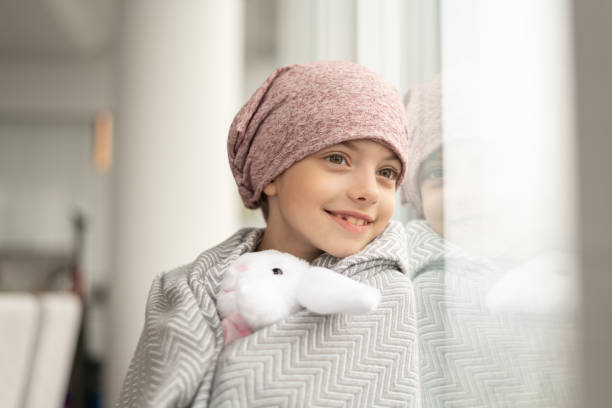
431	184
336	200
459	217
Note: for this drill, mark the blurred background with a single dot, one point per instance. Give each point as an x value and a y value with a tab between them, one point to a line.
113	165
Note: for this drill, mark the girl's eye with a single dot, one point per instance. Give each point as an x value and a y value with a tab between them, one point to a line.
434	174
389	173
336	159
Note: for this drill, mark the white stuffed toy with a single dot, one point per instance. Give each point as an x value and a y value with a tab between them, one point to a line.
261	288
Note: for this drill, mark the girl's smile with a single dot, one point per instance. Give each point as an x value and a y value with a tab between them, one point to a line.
351	221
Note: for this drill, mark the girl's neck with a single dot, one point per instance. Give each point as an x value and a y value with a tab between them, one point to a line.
275	240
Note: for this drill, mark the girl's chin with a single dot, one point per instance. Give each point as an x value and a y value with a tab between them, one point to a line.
344	251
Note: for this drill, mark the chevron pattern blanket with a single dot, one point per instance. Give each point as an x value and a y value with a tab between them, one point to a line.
433	307
471	356
307	360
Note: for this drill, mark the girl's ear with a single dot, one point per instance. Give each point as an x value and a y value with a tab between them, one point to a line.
271	189
324	291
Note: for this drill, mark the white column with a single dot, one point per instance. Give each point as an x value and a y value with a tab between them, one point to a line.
295	32
316	30
179	78
379	38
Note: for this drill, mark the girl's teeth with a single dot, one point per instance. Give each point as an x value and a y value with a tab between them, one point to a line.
355	221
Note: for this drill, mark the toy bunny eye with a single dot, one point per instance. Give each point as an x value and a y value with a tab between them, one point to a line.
277	271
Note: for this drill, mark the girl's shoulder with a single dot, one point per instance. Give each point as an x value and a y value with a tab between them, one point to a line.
429	251
209	265
426	248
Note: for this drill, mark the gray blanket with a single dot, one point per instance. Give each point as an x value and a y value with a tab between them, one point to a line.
471	356
306	360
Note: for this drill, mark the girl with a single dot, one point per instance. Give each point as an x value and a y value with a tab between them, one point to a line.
321	148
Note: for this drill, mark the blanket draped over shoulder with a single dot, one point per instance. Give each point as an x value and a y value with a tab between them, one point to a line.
307	360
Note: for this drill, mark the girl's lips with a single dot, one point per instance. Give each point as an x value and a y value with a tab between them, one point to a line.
349	226
351	214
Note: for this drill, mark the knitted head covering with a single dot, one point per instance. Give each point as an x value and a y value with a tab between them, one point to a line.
424	113
301	109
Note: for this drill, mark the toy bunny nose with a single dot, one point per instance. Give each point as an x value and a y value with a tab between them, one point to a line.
241	268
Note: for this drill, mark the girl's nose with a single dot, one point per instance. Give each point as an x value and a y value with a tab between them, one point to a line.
364	188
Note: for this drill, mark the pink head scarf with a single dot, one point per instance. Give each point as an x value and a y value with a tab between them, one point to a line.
301	109
424	114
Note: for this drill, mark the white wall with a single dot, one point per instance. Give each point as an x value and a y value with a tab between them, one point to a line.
46	113
53	88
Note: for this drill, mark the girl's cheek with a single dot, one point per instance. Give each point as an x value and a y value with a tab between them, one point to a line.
332	182
433	208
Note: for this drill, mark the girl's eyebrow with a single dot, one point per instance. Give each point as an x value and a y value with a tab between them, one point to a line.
348	144
351	146
392	156
429	164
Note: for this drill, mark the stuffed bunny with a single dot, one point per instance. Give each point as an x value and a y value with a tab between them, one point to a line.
261	288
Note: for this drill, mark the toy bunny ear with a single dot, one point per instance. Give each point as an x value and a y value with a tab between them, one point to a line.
325	292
